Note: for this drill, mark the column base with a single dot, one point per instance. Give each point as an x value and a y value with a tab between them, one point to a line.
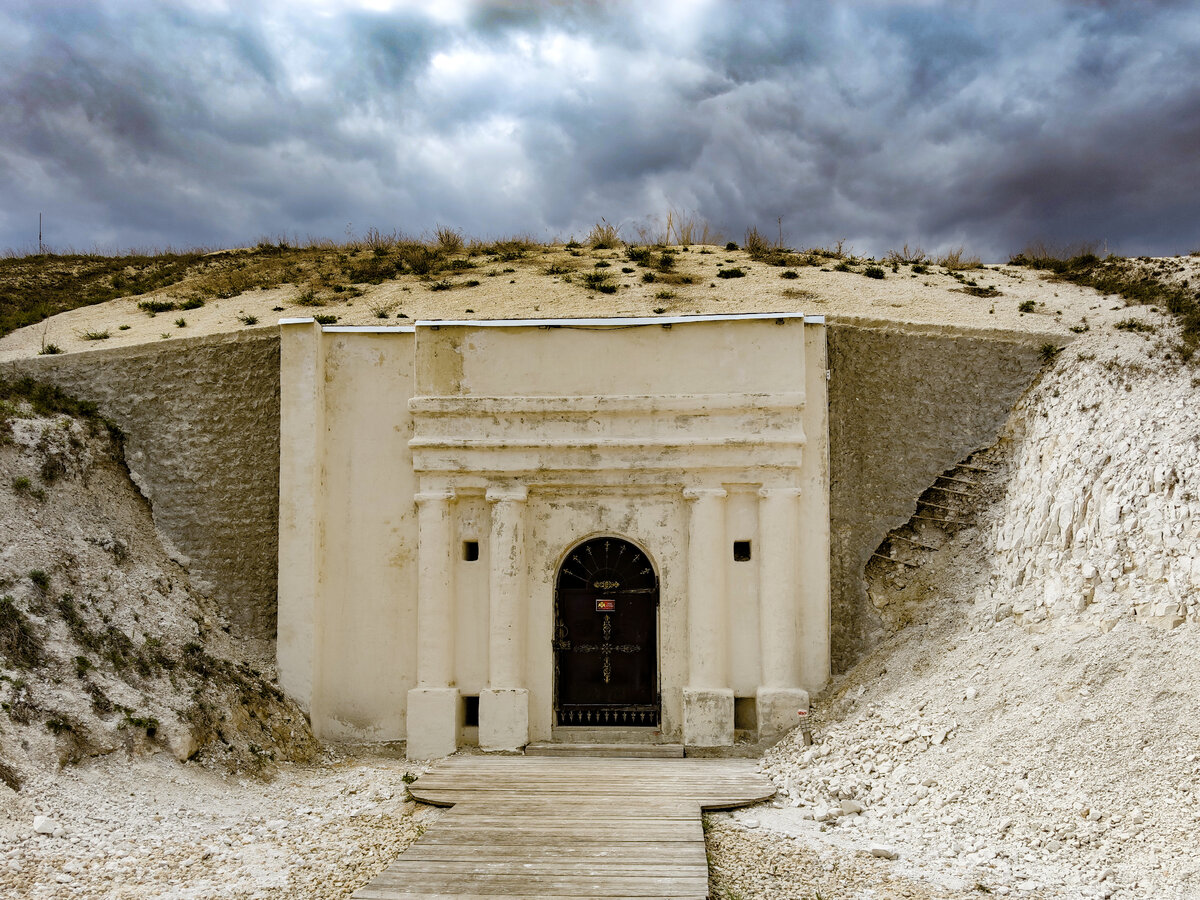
707	717
503	719
777	710
432	728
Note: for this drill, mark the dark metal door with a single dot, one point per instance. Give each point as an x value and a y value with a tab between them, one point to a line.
606	636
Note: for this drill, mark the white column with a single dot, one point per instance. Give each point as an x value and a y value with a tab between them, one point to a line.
504	706
707	698
433	713
779	695
435	590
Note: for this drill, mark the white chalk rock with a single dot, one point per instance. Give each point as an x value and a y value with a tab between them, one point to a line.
44	825
881	852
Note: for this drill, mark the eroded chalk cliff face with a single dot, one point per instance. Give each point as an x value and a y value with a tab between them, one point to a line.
105	642
1101	518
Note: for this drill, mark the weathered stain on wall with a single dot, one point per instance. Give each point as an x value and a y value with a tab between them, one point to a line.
905	404
201	419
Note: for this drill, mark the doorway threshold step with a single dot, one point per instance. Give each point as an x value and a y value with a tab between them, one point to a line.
575	734
605	751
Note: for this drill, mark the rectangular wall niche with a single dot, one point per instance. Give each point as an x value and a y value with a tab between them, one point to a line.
471	711
470	551
741	551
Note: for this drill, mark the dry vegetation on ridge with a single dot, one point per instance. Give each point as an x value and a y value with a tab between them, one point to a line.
70	303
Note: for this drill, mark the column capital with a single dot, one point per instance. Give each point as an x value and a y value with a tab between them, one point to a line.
433	497
697	493
516	493
783	491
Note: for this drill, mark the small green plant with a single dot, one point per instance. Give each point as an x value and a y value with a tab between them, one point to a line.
442	285
1049	352
920	268
666	261
627	270
603	264
553	269
1136	325
660	310
873	272
181	322
664	295
789	273
154	307
1026	306
59	725
732	245
40	580
842	267
20	646
149	724
192	303
50	350
408	777
1081	328
248	320
21	484
473	282
83	665
598	281
735	272
124	327
649	277
325	320
95	335
309	297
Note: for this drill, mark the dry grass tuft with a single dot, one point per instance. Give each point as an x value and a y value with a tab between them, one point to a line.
603	236
958	260
908	257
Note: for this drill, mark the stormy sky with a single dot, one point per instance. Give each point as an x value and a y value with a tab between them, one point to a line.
987	124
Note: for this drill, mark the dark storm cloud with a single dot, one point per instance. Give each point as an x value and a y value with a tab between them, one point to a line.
941	123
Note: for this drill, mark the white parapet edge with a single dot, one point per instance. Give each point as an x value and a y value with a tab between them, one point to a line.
551	323
613	322
364	329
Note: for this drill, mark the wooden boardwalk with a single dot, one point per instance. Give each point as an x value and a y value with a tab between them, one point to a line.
566	828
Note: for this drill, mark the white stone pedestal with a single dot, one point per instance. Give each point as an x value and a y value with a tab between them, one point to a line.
777	710
503	719
432	722
707	717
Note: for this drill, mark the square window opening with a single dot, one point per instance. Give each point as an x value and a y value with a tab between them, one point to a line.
741	551
471	712
471	551
745	713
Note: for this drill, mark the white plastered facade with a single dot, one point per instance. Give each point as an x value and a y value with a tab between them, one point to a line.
401	446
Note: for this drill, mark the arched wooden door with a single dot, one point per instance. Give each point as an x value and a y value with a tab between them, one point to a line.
606	636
